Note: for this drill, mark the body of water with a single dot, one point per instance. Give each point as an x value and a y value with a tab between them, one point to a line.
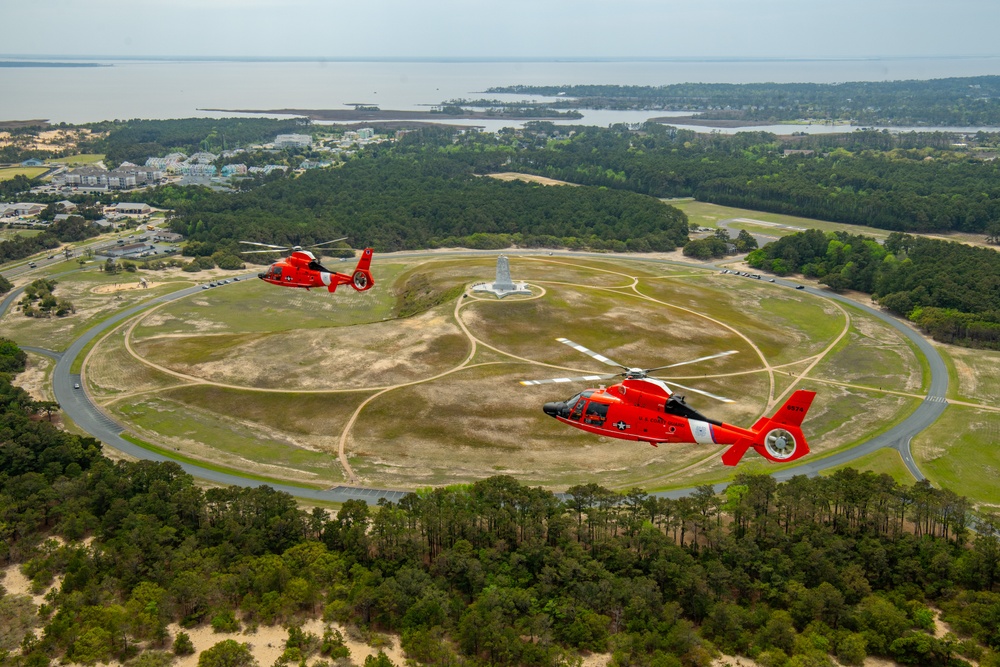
126	89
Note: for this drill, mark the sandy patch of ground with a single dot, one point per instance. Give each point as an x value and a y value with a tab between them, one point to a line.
122	287
17	584
379	354
967	378
733	661
268	643
528	178
35	378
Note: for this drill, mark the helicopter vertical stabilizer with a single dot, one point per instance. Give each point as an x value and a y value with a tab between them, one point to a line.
778	438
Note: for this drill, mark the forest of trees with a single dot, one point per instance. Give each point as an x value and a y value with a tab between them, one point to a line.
493	573
948	289
394	200
862	178
422	192
911	182
952	102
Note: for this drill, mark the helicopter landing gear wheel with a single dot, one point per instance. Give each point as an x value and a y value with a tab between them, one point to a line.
360	280
780	444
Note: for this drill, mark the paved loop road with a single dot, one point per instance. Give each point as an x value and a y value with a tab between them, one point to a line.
78	406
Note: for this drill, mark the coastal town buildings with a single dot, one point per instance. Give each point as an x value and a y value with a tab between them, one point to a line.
126	177
292	141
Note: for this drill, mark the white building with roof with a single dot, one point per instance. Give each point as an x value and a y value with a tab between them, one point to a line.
130	208
20	209
292	141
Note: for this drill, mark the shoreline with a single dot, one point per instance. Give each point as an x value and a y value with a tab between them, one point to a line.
361	116
714	122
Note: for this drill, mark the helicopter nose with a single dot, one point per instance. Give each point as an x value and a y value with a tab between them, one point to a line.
261	275
555	409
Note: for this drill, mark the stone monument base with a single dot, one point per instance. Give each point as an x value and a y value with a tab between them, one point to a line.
500	291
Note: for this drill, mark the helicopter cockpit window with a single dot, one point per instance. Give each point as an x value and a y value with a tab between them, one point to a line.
578	402
276	270
596	414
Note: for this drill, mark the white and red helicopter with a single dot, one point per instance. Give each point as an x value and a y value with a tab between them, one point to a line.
303	269
644	409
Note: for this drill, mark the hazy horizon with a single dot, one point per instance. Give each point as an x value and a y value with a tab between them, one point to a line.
516	29
473	59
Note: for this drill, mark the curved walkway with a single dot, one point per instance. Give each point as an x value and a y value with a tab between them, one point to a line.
77	405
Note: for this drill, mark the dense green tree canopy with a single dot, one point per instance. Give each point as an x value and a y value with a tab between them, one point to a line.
949	289
395	201
864	178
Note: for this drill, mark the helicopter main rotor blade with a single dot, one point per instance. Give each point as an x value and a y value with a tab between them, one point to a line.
255	252
591	353
266	245
693	361
317	245
582	378
697	391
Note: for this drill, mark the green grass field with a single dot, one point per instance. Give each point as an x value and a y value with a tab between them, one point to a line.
7	173
786	326
207	435
77	160
873	355
319	356
92	306
274	309
974	374
709	215
960	452
112	372
7	234
882	462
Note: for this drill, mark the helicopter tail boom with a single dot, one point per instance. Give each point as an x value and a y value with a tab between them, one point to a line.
778	438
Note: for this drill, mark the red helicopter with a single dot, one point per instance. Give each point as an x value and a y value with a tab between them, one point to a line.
643	408
302	269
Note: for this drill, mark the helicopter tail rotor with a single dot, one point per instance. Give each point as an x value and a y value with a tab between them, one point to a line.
778	438
361	279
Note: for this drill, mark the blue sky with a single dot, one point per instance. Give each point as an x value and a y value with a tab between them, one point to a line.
503	29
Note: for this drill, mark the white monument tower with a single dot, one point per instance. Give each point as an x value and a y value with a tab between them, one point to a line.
503	285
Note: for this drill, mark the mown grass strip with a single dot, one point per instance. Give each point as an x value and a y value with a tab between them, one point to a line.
212	466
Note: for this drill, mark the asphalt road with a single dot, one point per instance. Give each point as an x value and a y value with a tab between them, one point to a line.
77	404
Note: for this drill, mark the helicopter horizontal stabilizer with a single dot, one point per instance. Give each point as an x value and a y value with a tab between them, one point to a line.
777	438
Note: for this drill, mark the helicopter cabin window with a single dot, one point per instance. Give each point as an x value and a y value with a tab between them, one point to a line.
596	414
578	402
